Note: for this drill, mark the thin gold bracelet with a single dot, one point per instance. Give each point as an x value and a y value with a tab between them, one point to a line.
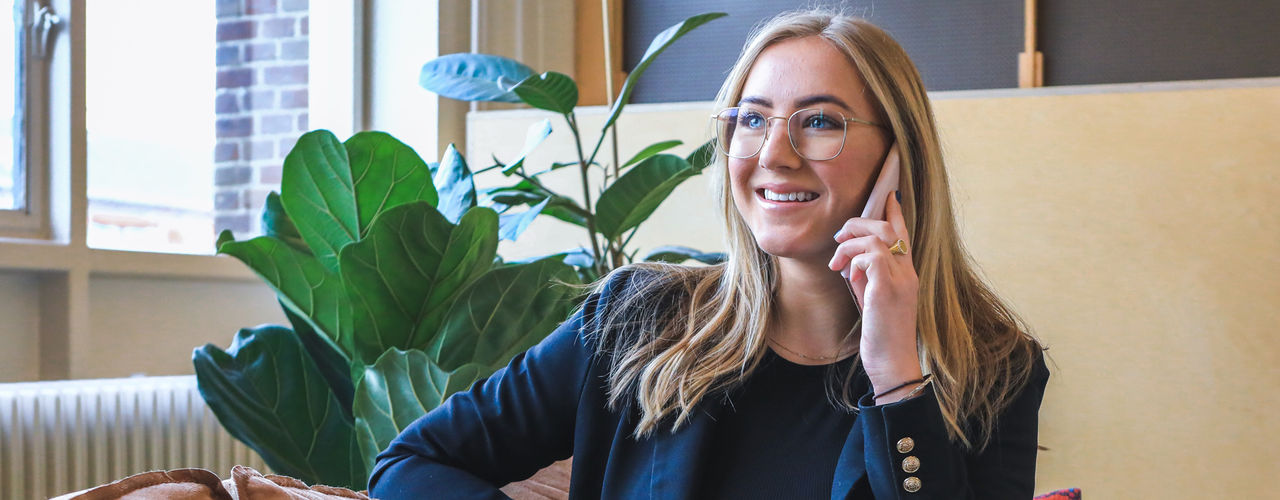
919	388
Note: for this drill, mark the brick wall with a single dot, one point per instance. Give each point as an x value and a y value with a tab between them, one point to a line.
261	104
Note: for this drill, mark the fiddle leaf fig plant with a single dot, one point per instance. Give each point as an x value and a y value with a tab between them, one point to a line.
377	268
627	200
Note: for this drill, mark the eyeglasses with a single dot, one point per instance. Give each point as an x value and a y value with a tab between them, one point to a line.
816	134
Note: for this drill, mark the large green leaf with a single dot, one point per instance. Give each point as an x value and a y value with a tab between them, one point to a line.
300	281
405	274
276	223
386	173
537	133
510	226
400	387
454	182
703	156
474	77
653	149
317	192
267	392
331	362
634	196
506	311
550	91
659	44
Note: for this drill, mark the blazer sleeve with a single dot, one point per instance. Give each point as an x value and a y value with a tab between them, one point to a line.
911	434
504	428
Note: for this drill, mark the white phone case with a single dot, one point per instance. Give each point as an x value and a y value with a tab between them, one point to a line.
886	183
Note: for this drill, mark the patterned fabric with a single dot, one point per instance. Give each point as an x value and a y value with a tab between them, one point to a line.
1067	494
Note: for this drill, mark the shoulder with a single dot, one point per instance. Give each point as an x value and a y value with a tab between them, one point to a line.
635	301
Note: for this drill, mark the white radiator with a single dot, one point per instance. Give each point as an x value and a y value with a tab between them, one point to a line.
59	437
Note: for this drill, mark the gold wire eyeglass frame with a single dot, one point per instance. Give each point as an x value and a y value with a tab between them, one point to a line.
844	134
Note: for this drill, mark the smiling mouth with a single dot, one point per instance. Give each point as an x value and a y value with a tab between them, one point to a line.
796	197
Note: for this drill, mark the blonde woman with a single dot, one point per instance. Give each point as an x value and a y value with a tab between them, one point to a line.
765	377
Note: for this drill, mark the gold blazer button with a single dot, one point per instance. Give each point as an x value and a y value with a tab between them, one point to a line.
910	464
911	484
905	445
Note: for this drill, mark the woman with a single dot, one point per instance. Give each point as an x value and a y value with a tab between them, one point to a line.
667	383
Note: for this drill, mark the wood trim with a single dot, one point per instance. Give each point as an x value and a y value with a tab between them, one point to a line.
588	60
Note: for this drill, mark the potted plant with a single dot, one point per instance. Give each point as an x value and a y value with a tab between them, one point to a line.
386	267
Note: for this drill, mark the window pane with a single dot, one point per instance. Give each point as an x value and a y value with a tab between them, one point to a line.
12	184
191	109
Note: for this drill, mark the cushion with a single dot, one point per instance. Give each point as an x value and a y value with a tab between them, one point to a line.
200	484
1067	494
183	484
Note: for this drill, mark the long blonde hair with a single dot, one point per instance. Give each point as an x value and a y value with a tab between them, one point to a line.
683	332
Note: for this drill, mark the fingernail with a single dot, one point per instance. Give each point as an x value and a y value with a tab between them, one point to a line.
837	235
898	194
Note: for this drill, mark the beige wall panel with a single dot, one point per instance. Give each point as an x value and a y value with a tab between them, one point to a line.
20	311
1137	231
150	326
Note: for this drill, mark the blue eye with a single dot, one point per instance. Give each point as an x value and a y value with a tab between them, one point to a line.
751	120
820	121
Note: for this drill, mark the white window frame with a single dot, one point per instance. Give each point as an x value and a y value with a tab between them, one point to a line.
32	220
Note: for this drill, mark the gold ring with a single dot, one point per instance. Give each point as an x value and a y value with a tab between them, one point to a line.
898	248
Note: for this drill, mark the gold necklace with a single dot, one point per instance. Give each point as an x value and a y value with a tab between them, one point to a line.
815	358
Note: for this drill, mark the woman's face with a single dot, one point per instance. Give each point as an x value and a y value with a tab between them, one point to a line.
788	76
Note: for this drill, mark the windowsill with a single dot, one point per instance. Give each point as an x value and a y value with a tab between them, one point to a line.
55	256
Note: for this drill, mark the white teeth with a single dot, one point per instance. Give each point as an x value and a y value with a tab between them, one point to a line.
801	196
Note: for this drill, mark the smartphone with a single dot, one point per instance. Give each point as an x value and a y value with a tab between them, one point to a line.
886	182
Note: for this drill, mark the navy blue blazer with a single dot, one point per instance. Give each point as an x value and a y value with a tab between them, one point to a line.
549	403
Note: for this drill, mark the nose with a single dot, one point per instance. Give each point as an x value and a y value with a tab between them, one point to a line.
776	152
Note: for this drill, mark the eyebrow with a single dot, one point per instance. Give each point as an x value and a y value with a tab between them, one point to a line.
801	103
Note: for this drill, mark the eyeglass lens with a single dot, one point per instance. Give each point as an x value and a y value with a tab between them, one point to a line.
815	133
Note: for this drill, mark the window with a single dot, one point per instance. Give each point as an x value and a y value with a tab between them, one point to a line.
191	109
24	37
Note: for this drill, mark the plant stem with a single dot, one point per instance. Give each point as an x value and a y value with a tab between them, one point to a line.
586	191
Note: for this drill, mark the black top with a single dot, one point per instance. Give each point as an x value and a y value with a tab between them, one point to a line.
551	402
780	436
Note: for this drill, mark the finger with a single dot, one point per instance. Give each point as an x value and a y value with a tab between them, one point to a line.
877	266
851	248
896	220
858	227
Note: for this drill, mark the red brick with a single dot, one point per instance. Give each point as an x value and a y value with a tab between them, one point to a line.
270	175
231	176
228	55
295	5
277	124
302	121
285	75
235	78
236	30
286	145
227	200
293	50
234	127
226	103
292	99
261	150
277	28
260	51
255	7
236	223
228	8
259	99
226	151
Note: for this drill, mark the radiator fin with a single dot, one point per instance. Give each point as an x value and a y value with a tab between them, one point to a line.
64	436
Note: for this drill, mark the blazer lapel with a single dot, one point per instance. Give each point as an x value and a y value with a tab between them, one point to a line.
676	462
851	467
